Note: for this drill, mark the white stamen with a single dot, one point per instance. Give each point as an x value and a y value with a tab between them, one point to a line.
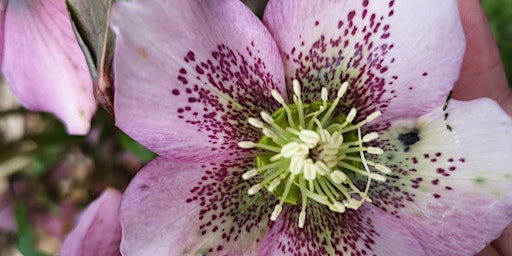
255	122
352	203
370	136
351	115
302	219
375	151
383	168
269	133
319	198
254	189
330	160
273	185
296	87
337	207
309	170
338	176
336	139
276	212
325	136
329	149
373	115
277	96
342	89
249	174
290	149
296	165
324	94
321	168
377	177
267	117
276	157
246	144
309	137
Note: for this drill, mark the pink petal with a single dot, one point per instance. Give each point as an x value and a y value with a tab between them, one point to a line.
401	58
43	63
367	231
189	73
193	209
98	232
452	175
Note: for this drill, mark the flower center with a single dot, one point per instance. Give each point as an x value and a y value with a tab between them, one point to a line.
312	152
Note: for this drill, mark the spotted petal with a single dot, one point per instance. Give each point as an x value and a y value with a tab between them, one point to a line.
193	209
189	73
400	57
43	63
98	232
451	177
367	231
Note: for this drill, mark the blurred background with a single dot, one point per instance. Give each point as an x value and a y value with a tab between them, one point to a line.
47	177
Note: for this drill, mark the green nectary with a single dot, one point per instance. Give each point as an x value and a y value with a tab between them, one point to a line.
313	152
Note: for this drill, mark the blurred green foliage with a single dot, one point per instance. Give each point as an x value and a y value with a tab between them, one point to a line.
26	240
499	13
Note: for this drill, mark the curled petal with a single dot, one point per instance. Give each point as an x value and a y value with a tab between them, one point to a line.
43	63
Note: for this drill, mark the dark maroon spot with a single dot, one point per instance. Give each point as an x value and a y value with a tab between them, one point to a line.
452	168
199	70
340	24
176	92
462	160
191	56
183	80
426	155
440	170
448	188
183	71
438	154
435	182
424	74
351	15
316	23
436	196
192	100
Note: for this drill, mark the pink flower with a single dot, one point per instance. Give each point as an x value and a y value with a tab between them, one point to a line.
249	166
42	62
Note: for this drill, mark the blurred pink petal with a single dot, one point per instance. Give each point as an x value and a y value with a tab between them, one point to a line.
43	63
98	231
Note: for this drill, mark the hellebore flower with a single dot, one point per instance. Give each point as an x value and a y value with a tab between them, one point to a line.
98	232
42	62
367	156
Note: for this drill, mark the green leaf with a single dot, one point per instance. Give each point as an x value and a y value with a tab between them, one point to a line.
90	24
135	148
26	241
